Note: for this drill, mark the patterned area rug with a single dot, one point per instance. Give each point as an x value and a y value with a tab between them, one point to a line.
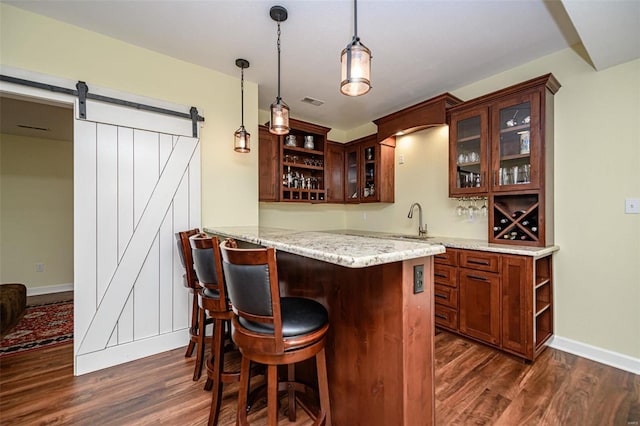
41	326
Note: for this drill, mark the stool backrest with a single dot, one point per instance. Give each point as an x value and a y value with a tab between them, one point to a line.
208	265
184	249
252	281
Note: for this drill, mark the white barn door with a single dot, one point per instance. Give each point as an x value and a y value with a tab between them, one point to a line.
136	183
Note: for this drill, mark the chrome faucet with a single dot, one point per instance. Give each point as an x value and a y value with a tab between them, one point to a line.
422	229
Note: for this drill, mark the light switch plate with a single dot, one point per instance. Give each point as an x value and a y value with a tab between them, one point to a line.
632	206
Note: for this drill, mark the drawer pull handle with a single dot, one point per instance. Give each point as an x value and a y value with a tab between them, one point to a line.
440	275
441	296
441	257
478	262
477	277
444	317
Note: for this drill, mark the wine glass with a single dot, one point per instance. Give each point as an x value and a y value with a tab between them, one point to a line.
472	209
461	210
484	210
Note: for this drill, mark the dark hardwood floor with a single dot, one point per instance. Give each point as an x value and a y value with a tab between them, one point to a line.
474	385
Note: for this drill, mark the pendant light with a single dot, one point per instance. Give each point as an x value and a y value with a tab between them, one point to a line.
279	122
356	63
242	138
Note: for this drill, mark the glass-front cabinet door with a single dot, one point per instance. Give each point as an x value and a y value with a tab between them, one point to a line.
516	143
369	159
351	175
468	156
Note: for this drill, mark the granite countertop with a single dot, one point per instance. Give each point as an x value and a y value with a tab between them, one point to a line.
460	243
352	251
358	248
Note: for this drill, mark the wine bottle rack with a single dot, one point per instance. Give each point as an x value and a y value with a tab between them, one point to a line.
515	219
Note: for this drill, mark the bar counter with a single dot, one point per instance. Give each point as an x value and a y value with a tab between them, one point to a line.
380	342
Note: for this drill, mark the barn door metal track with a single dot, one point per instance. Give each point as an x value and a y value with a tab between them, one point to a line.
82	92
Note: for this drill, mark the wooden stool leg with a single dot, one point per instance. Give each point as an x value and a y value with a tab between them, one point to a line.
291	392
245	372
202	323
215	366
193	329
323	387
272	395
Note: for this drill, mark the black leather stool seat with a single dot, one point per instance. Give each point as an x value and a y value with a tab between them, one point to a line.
300	316
207	292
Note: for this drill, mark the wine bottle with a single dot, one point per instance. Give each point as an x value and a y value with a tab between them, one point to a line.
497	229
504	220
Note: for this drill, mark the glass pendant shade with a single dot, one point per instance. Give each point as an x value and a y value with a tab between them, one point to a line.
242	140
356	69
279	122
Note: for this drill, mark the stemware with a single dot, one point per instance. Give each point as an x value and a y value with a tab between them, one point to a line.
472	209
484	210
461	210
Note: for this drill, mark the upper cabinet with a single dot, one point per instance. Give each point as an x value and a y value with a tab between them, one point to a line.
334	172
268	165
296	172
369	170
516	143
501	147
469	152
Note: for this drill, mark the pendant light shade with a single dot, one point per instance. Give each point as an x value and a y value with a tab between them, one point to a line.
279	121
356	63
242	138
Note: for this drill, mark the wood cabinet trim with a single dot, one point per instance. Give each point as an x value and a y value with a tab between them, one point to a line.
432	112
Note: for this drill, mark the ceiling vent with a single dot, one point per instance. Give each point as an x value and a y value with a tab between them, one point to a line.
312	101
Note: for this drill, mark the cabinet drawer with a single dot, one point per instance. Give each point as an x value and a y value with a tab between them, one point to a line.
450	257
445	275
446	317
446	296
479	260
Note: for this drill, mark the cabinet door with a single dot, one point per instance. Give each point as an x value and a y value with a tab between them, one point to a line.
468	152
268	166
352	174
517	309
516	143
479	305
334	172
369	171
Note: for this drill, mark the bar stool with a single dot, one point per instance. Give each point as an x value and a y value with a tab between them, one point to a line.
213	299
272	330
196	336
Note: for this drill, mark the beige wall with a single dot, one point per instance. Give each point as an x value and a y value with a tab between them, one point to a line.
36	210
230	180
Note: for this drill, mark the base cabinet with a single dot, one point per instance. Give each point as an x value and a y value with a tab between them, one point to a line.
480	305
502	300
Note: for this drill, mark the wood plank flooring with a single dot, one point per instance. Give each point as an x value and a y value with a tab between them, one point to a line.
474	385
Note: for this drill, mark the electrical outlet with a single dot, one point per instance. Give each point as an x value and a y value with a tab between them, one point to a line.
632	206
418	279
39	267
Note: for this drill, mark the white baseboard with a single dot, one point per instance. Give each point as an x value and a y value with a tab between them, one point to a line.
48	289
604	356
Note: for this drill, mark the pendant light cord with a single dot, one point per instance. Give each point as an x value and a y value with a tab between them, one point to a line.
242	97
355	20
279	62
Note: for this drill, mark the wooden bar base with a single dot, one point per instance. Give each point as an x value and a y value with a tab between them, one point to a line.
380	345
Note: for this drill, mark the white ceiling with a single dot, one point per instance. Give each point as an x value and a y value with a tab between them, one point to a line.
420	48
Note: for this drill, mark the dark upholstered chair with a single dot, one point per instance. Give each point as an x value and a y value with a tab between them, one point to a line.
197	338
213	299
272	330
